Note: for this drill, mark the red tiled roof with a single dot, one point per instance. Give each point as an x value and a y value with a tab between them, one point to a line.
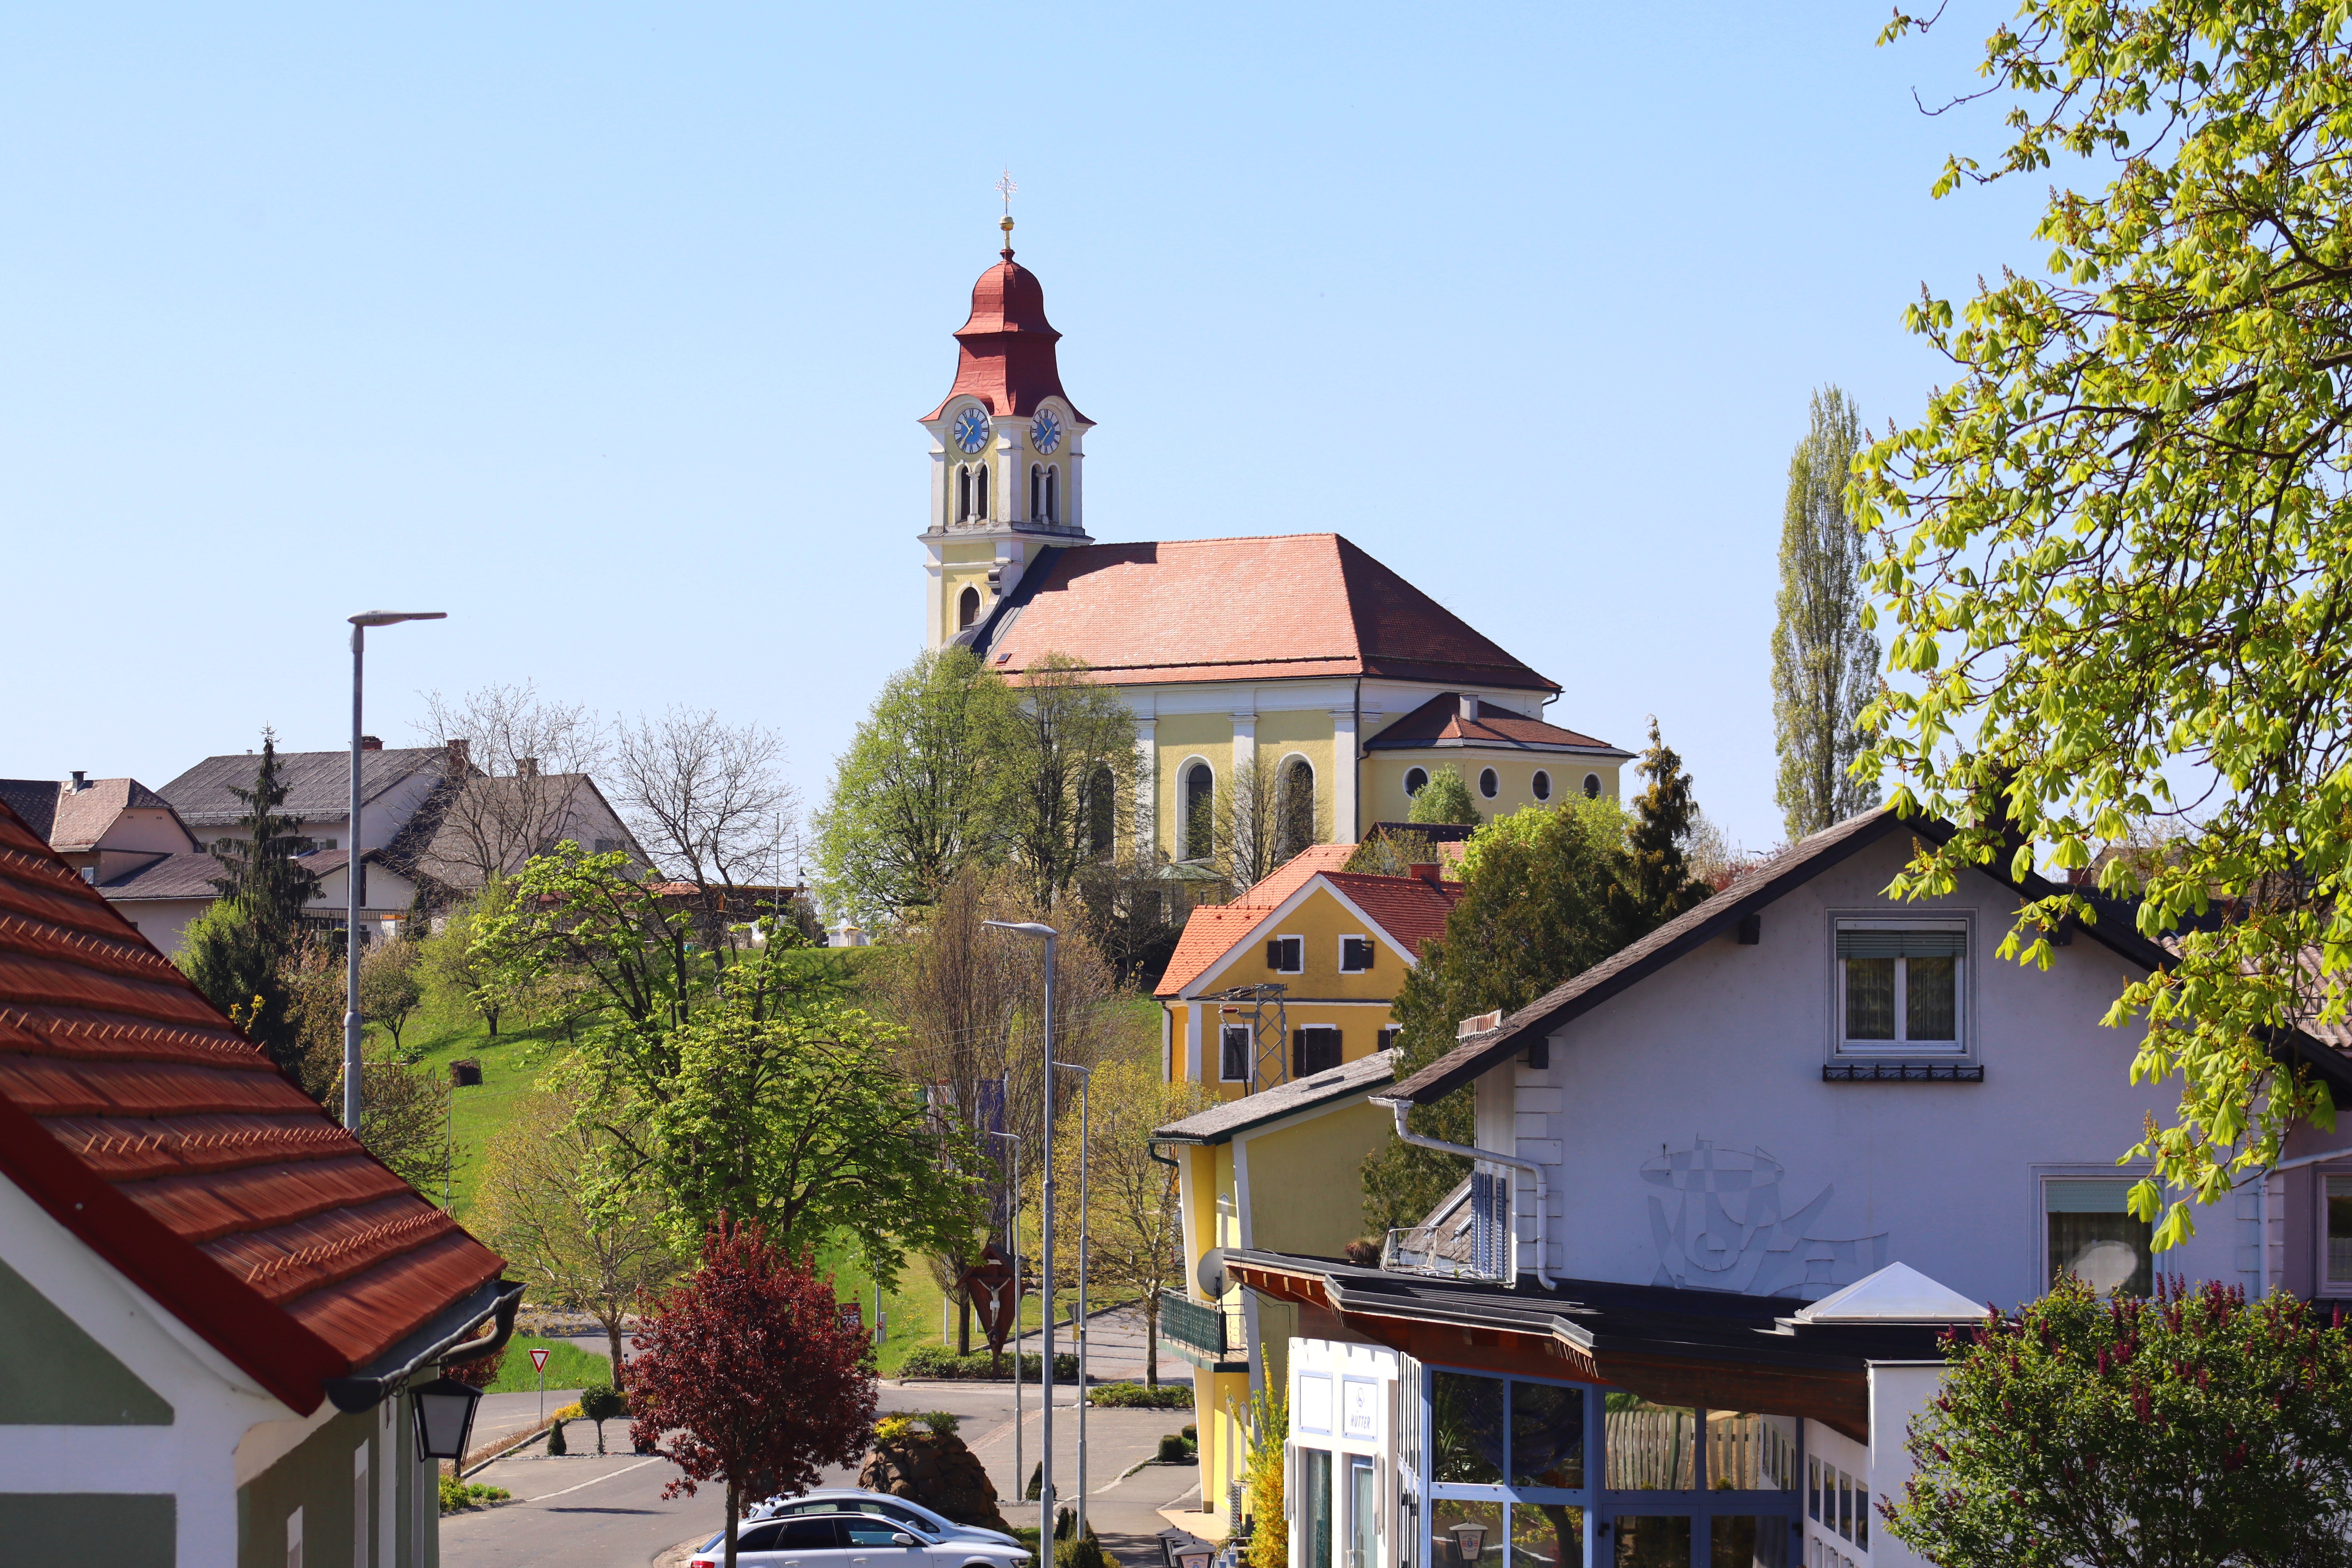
1408	910
151	1129
1290	605
73	820
1005	350
1439	722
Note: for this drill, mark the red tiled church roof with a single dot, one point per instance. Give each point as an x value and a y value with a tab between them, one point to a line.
1439	722
1005	348
1291	605
148	1127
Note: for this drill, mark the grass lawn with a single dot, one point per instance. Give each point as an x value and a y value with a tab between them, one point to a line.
568	1367
510	1065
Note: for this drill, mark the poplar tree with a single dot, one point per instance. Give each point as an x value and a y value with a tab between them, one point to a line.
1825	661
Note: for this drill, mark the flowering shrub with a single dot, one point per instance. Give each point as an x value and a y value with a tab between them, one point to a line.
2188	1430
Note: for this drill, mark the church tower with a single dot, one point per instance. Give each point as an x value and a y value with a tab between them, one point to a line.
1007	454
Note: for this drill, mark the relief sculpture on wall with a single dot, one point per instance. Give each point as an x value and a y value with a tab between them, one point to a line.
1720	1223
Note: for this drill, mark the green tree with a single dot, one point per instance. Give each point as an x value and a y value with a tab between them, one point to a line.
1824	660
236	951
1655	882
263	870
915	796
391	985
1535	912
2194	1429
1265	811
1063	750
457	976
2113	548
1445	798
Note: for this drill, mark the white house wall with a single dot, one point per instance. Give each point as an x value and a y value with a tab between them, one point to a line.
1719	1055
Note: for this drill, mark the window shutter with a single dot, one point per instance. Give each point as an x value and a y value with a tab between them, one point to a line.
1298	1053
1366	949
1274	954
1901	945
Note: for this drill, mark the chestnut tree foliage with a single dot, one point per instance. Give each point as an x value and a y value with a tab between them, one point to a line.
2190	1430
2114	549
750	1373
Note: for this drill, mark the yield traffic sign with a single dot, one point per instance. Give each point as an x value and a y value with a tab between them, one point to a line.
539	1357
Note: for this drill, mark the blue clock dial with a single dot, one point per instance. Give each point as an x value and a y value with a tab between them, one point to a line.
971	430
1045	432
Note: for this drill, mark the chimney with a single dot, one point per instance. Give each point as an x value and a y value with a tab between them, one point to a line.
526	767
81	779
370	743
461	758
1469	700
1427	871
1478	1026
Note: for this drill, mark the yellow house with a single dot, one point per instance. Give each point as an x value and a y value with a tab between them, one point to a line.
1279	1005
1295	662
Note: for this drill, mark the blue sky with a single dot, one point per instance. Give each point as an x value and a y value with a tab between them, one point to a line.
605	330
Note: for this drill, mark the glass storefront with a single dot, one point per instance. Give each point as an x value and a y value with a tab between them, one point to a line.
1518	1473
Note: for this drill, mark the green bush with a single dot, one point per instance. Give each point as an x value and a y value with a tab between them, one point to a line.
1193	1434
1173	1449
457	1494
942	1422
1084	1552
1137	1397
938	1362
555	1439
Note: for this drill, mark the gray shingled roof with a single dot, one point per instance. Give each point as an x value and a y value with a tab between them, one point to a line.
1219	1123
186	876
318	784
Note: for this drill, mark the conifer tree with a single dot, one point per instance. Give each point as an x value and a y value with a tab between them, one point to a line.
237	953
1655	883
1824	663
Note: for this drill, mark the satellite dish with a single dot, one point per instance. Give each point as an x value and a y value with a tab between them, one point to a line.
1211	1273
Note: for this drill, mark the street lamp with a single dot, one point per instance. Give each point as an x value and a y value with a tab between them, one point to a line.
1012	1235
354	870
1045	1247
1085	1146
445	1414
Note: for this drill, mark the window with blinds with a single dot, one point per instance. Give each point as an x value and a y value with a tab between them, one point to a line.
1899	987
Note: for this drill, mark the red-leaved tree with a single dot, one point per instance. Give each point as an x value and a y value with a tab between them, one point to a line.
749	1372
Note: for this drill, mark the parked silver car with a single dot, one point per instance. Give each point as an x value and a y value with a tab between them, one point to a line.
851	1499
851	1539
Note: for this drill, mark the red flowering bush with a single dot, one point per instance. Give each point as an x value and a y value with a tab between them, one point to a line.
749	1373
2191	1430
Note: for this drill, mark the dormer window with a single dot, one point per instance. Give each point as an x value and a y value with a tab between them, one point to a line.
1898	985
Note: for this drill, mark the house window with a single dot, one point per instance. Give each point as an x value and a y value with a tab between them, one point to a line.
980	492
1415	780
967	608
2094	1235
1592	787
1543	784
1200	817
1355	954
1294	822
1233	1053
1388	1038
90	875
1313	1049
1899	987
1490	784
2340	1230
1287	954
1036	491
963	494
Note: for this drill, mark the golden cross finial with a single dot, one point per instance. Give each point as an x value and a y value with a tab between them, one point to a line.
1006	188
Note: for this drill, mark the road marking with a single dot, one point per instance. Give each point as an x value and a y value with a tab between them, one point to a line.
591	1480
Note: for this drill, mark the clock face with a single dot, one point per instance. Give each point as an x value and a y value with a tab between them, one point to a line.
1046	433
971	430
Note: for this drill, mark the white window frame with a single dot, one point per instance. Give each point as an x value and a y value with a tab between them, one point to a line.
1542	785
1371	955
1963	1042
1494	774
1248	1049
1408	790
2045	1175
1300	950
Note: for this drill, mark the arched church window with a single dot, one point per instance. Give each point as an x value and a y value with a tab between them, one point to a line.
967	608
1054	493
1200	812
980	492
1102	791
1415	780
963	492
1036	491
1592	787
1294	818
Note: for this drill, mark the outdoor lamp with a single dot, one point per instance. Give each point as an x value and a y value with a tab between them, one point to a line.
1197	1556
1469	1541
445	1417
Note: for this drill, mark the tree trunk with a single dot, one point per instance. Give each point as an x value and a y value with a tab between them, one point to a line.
734	1500
612	1337
1152	1338
963	1323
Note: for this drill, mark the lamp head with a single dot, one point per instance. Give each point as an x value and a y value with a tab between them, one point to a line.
1027	927
393	618
1469	1541
445	1415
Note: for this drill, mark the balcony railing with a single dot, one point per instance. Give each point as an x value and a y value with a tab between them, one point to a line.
1206	1335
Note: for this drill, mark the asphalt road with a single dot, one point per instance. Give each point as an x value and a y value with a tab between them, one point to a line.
582	1511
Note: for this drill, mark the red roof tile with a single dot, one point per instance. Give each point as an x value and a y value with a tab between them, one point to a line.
1005	350
1408	910
1290	605
1439	722
144	1124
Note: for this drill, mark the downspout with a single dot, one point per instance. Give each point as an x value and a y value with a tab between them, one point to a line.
1406	1135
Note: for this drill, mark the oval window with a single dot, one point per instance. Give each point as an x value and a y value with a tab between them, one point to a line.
1592	787
1415	780
1543	784
1489	784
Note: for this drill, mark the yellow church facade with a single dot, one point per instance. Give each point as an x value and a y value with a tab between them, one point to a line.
1294	657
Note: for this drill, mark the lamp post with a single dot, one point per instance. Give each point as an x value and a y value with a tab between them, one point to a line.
1086	1147
354	870
1012	1235
1045	1249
